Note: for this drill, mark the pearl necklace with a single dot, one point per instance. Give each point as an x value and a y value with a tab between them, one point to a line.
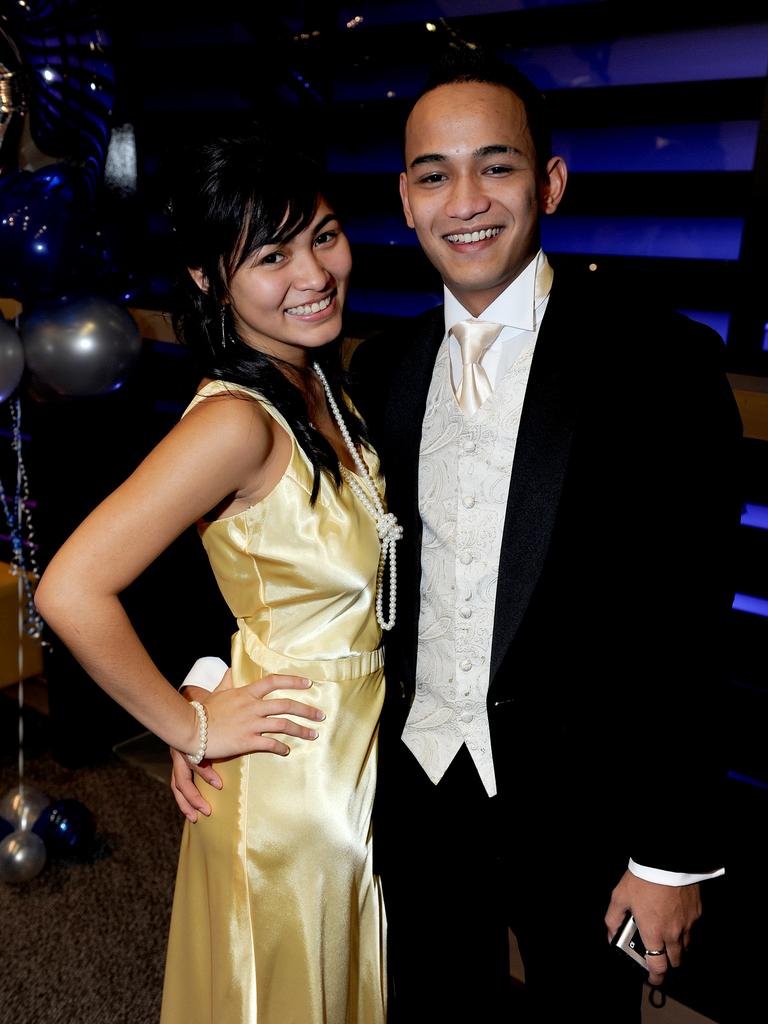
387	527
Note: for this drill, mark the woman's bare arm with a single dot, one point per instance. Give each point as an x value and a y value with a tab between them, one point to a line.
222	451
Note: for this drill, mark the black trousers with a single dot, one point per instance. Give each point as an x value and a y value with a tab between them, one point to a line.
457	873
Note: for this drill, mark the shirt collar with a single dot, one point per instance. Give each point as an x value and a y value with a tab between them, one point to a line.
518	304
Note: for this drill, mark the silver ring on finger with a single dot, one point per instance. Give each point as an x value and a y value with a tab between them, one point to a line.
655	952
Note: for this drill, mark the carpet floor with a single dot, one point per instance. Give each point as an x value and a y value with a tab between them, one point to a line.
84	942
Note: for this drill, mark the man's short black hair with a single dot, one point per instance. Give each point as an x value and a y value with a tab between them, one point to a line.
473	64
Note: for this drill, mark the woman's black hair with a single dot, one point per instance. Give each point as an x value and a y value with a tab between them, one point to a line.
230	197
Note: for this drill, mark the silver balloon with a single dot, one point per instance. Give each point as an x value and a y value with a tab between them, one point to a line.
86	347
22	806
22	856
11	360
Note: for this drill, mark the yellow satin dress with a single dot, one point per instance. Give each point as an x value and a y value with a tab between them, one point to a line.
277	915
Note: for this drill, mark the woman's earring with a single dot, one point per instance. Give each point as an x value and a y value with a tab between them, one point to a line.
223	327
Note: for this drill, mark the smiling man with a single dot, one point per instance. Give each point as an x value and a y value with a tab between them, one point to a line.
561	458
475	203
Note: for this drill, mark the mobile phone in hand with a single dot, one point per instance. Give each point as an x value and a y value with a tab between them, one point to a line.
627	939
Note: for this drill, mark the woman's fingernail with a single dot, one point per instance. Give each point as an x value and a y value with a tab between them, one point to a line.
216	783
313	734
306	682
320	715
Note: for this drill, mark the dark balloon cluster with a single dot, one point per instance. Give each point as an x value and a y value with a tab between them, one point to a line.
56	95
57	89
32	829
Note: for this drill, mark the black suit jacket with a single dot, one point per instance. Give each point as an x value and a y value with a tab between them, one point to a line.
614	573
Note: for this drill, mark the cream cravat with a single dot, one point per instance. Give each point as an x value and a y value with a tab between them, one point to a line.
474	338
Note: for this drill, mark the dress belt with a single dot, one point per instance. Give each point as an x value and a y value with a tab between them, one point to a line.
349	666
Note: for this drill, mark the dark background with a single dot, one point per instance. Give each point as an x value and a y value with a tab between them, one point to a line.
660	111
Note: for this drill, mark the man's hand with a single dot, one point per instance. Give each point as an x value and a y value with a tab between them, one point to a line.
664	915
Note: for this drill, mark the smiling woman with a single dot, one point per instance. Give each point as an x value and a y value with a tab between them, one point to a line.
277	913
268	269
287	297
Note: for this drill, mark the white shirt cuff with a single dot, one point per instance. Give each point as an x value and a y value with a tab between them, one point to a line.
206	673
662	877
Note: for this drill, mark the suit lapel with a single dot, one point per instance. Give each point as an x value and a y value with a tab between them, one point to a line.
541	458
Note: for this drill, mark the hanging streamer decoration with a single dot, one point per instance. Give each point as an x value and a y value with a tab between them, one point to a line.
18	517
22	853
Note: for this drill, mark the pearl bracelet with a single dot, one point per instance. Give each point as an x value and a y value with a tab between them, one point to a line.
202	732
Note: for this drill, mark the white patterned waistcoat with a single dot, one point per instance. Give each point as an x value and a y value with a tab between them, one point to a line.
465	467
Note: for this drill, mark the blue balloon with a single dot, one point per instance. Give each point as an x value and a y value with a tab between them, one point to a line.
67	828
41	232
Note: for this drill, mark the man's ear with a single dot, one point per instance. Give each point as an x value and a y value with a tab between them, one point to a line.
552	189
199	278
404	199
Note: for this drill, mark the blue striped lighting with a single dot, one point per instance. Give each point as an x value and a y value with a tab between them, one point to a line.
747	780
755	515
712	146
692	55
750	605
713	318
399	12
693	238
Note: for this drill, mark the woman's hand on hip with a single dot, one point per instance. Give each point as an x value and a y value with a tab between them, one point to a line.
243	720
249	721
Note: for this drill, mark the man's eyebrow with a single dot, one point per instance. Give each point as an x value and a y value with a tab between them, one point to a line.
429	158
497	149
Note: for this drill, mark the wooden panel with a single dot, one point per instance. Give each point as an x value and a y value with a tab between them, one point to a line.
32	654
154	324
10	308
752	397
